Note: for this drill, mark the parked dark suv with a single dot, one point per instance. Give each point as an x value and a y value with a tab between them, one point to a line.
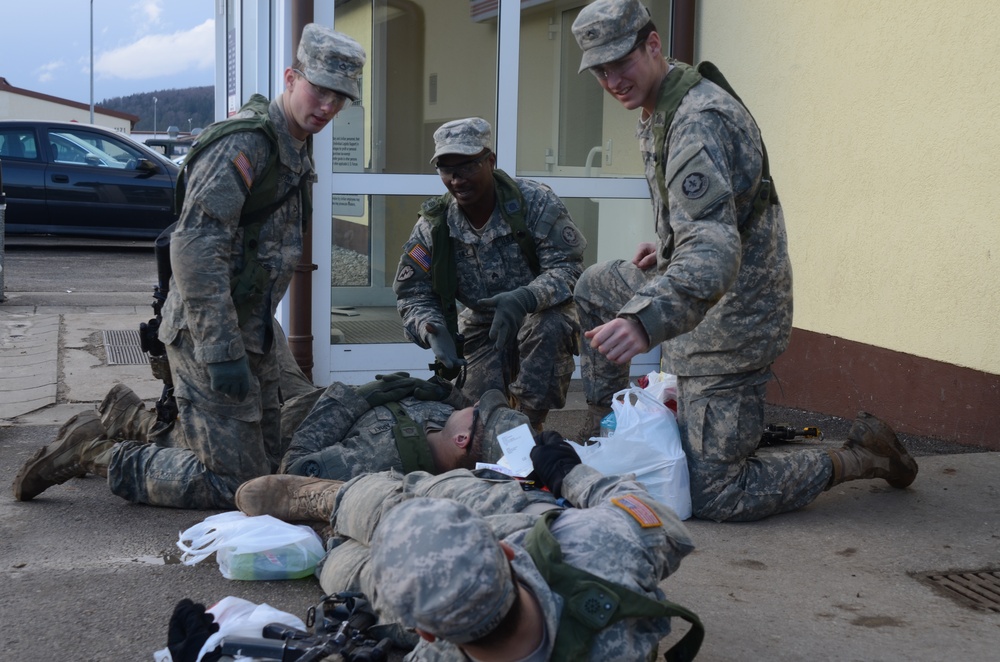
80	180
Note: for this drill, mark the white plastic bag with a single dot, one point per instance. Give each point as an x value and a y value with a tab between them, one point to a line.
237	617
646	443
261	547
663	387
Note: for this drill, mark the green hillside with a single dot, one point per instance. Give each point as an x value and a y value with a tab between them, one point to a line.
173	107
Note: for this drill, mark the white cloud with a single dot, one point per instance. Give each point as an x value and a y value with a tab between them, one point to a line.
47	71
160	54
147	11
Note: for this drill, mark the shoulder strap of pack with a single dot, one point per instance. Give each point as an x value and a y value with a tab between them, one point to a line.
260	203
512	209
411	442
679	81
766	193
591	604
444	274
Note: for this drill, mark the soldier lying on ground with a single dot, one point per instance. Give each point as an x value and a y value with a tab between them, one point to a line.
456	556
395	422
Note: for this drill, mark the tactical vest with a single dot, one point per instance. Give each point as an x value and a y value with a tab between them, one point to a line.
411	442
444	271
250	284
679	81
591	604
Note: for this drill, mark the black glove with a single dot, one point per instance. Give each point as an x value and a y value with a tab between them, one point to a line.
435	388
511	308
443	346
231	378
388	388
553	458
190	627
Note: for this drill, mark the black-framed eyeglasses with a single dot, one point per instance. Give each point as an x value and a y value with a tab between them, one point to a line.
463	170
619	66
472	430
321	94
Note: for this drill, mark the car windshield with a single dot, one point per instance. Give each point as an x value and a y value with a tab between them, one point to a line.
70	148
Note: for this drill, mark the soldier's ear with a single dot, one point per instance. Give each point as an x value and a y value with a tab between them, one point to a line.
461	440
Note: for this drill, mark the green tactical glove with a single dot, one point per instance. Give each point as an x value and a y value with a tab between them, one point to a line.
511	308
398	385
231	378
443	346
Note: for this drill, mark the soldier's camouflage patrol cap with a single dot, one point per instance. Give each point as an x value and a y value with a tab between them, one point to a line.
606	29
437	566
497	417
466	136
331	59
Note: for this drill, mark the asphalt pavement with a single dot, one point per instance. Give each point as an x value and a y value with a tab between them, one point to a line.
860	574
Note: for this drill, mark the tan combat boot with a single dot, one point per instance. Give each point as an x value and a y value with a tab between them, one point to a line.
872	451
288	497
592	424
124	416
79	447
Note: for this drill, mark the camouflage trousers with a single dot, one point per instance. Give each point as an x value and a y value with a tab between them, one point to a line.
363	501
721	419
215	445
536	370
600	293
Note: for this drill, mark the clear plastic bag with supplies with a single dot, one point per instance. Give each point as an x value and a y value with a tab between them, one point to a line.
261	547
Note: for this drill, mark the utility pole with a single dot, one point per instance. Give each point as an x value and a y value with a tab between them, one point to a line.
91	61
154	117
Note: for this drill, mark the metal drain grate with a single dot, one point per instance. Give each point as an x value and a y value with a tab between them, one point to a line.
979	589
370	331
122	347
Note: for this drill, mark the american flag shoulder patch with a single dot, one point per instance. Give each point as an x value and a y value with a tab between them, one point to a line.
243	167
635	507
421	256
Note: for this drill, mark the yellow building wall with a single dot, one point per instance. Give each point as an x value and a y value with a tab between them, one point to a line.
882	123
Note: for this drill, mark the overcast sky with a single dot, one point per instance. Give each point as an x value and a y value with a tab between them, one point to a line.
139	46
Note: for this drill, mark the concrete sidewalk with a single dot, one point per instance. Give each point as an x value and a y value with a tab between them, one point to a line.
91	577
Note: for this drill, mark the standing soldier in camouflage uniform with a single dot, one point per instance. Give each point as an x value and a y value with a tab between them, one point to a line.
715	290
355	430
507	250
231	266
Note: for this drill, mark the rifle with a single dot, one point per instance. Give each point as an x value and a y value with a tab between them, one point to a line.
779	434
449	374
149	340
338	624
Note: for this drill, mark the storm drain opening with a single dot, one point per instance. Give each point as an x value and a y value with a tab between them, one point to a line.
123	348
979	589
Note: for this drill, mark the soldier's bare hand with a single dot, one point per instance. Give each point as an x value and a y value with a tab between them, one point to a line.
620	340
645	256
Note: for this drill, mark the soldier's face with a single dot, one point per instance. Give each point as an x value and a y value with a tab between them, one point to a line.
634	79
309	108
468	178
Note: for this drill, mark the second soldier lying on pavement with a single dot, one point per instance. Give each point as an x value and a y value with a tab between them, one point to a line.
404	541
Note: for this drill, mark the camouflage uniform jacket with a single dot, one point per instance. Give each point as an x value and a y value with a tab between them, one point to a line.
493	262
606	540
721	295
206	249
358	439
